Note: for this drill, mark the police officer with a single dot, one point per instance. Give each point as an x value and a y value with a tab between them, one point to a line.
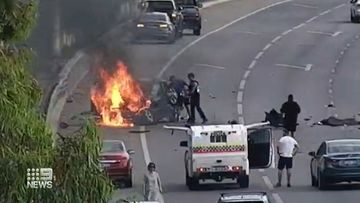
194	93
180	88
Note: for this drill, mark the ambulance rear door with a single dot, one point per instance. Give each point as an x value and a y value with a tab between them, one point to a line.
260	148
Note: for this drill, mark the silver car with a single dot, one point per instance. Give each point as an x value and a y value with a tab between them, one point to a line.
355	11
244	197
154	25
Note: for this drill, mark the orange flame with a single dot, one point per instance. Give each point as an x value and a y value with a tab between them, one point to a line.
120	93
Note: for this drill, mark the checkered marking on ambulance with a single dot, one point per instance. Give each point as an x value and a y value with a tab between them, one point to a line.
217	149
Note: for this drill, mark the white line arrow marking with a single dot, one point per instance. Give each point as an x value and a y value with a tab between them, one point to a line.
306	68
325	33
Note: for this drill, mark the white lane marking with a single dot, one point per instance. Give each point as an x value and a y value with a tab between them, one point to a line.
305	6
267	47
268	182
242	84
342	52
336	33
299	26
330	80
241	120
277	198
325	33
253	63
325	12
312	19
287	32
348	45
339	6
247	73
171	61
247	32
276	39
330	91
357	37
144	145
259	55
240	96
240	109
210	66
261	170
306	68
333	70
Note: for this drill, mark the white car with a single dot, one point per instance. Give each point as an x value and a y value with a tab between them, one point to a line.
355	11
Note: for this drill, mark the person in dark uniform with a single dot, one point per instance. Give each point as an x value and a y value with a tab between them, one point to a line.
180	88
291	109
194	92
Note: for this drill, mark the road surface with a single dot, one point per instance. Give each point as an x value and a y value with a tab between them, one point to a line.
250	65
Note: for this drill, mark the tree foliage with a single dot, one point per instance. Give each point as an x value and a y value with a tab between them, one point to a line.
26	141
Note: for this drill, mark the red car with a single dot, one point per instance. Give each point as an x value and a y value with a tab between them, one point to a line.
116	161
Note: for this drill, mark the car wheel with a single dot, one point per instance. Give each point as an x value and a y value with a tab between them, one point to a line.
313	181
352	18
197	32
322	183
129	182
243	181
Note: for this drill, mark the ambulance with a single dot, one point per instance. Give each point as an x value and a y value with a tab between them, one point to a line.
219	152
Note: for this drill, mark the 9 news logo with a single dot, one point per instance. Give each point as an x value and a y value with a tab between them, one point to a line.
39	178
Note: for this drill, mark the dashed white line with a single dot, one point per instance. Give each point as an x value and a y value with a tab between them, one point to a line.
357	37
277	198
210	66
330	91
339	6
253	63
325	12
287	32
276	39
268	182
267	46
144	145
259	55
337	61
312	19
333	70
242	84
336	33
240	96
247	73
330	80
240	109
241	120
299	26
347	44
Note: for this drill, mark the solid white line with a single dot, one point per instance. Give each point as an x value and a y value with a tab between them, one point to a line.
312	19
210	66
287	32
276	39
305	6
267	47
268	182
240	109
277	198
241	120
299	26
291	66
325	12
210	4
242	84
253	63
247	73
144	145
240	96
259	55
321	33
171	61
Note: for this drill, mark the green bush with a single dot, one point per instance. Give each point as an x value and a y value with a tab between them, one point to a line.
26	141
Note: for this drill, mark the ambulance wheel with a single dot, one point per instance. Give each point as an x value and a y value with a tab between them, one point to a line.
193	183
243	181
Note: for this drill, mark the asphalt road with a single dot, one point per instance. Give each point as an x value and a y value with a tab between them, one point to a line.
251	66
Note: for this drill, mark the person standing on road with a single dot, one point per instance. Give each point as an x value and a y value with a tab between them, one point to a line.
286	149
152	185
194	92
180	87
291	109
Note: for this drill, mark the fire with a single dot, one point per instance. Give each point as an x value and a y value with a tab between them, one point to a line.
119	94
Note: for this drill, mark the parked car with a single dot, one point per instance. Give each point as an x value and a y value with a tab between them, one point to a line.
154	25
116	161
244	197
355	11
190	9
335	161
169	7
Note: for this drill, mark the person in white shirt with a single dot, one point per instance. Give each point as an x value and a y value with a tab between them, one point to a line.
287	149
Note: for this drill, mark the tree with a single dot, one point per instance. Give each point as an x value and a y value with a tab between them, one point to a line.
25	139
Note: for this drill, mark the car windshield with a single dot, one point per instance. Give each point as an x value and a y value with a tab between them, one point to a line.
110	147
160	6
153	18
344	147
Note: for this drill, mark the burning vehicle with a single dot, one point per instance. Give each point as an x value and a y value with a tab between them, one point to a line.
119	100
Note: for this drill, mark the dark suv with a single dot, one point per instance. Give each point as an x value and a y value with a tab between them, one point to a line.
169	7
190	9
